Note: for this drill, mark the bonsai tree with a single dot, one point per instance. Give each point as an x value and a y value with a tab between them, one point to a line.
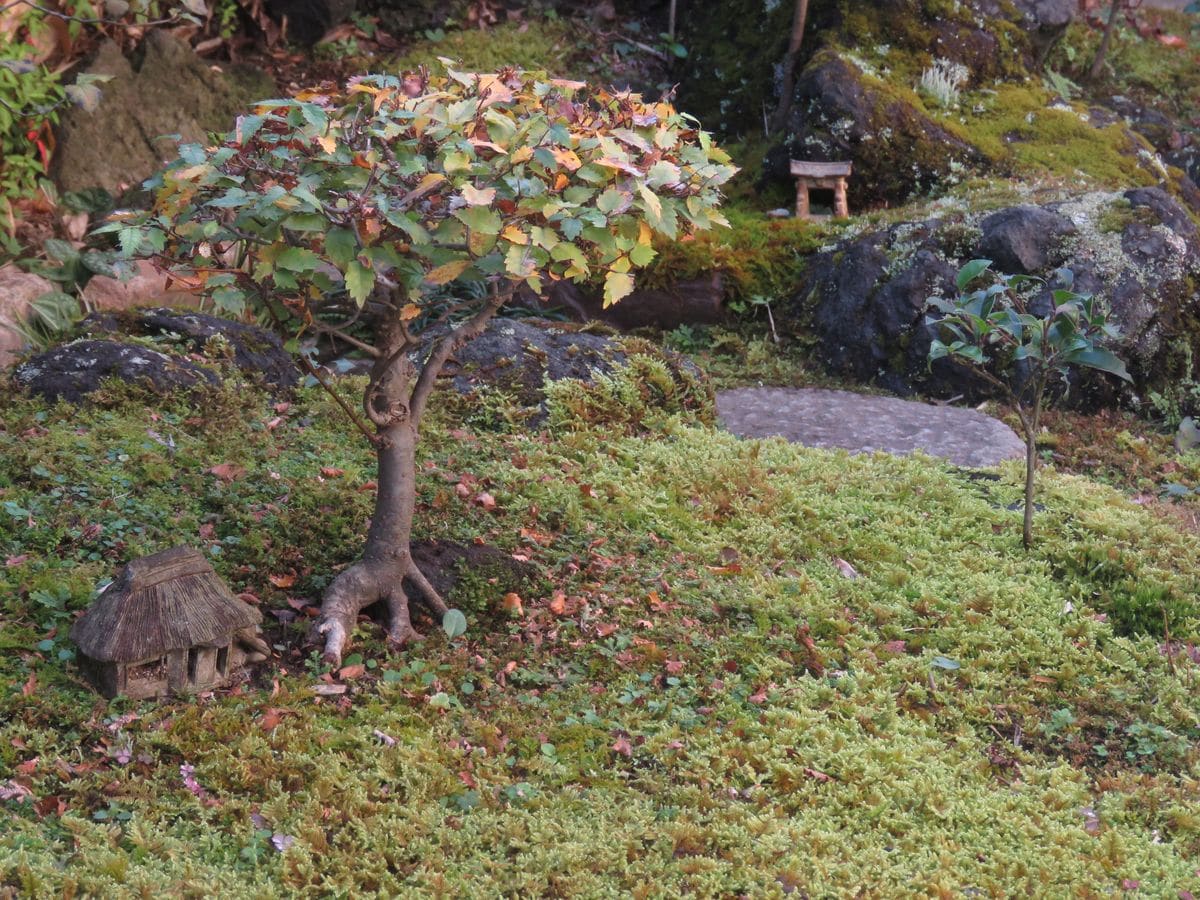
428	201
995	332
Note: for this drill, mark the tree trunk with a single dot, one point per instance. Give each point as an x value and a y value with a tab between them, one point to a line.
395	402
1102	50
387	558
788	77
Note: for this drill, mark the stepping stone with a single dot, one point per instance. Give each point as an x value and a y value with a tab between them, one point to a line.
816	417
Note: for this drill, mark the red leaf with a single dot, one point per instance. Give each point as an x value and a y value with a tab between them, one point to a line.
247	597
30	685
512	604
283	582
29	766
14	561
605	630
621	745
558	603
349	673
271	718
674	666
486	500
818	775
207	531
331	472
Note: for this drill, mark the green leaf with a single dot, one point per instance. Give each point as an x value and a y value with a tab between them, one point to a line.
359	281
970	272
341	246
481	219
945	662
1098	358
454	623
297	259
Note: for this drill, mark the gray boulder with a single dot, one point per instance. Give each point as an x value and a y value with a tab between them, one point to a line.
1025	239
75	371
256	352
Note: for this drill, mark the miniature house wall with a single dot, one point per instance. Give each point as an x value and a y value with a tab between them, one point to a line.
828	176
167	625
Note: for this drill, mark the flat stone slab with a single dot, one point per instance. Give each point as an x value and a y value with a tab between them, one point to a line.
816	417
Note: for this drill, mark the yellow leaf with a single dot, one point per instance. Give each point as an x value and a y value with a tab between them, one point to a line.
477	196
410	311
448	272
616	286
328	143
514	235
645	235
361	88
522	154
568	159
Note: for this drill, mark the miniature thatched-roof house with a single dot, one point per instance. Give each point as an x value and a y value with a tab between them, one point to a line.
167	624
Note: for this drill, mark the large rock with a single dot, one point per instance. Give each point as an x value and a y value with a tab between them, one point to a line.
1138	251
171	92
258	353
18	290
692	301
74	371
521	356
1025	239
839	113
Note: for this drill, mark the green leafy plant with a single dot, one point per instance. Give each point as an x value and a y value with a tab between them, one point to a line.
322	209
998	335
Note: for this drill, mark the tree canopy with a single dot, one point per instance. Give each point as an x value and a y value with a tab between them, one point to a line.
401	184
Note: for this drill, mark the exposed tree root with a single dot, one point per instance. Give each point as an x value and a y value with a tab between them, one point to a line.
365	583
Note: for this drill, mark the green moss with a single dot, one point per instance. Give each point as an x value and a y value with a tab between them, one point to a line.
1017	132
536	44
671	722
757	256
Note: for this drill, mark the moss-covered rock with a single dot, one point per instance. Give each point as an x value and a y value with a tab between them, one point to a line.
1139	251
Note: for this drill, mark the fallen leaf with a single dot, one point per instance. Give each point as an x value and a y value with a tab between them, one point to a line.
329	690
512	604
349	673
282	842
247	597
606	629
283	582
271	718
228	472
558	603
817	774
621	745
386	738
14	561
29	766
30	685
207	531
486	500
331	472
674	666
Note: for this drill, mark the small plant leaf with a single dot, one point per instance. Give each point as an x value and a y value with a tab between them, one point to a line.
454	623
970	272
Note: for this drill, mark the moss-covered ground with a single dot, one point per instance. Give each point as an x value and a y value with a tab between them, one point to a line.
755	669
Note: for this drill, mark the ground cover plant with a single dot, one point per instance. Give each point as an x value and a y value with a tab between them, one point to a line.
425	203
748	667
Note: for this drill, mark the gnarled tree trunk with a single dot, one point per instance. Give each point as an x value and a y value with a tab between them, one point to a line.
395	401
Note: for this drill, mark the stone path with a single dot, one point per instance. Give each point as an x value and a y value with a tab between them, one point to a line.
816	417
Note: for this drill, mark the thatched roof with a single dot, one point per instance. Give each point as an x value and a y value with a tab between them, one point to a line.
168	601
821	169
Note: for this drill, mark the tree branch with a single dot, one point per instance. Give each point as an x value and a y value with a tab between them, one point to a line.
354	417
447	345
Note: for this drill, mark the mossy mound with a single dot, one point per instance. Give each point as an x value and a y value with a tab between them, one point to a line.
702	701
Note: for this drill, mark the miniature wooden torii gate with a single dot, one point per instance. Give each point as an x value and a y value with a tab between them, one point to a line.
822	176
